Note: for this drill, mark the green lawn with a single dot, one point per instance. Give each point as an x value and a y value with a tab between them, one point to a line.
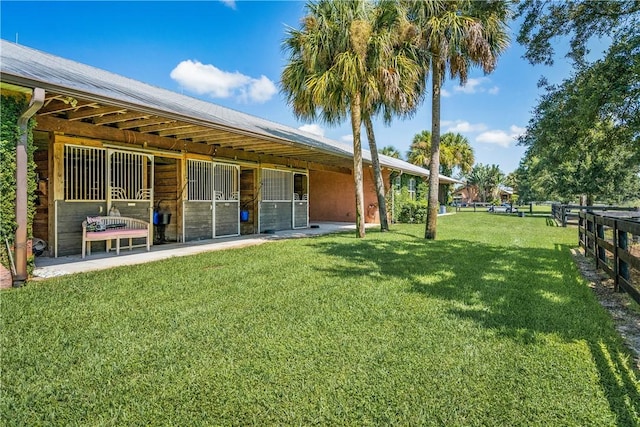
490	325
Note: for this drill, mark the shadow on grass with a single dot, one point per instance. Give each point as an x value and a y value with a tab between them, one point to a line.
518	292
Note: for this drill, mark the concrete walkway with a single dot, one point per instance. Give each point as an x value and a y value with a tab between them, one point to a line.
53	267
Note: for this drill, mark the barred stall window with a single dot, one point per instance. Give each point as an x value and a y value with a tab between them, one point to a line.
200	180
226	182
84	173
129	178
276	185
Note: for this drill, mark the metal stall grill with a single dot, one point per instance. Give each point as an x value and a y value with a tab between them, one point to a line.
129	176
84	173
226	182
200	177
276	185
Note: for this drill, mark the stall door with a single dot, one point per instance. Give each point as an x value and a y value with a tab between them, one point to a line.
226	200
212	208
300	200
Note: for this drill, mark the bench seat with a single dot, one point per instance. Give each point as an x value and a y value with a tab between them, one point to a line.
128	228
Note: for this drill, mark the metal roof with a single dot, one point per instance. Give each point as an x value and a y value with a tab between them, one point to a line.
109	99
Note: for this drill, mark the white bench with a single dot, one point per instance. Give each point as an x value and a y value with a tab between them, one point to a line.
113	228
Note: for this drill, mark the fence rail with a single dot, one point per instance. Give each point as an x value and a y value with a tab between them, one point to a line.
614	243
565	214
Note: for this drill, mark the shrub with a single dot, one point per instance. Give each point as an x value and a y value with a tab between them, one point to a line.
408	210
11	109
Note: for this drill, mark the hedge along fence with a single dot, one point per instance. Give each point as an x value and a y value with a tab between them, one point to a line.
11	109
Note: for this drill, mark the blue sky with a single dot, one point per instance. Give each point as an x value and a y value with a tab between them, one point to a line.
230	53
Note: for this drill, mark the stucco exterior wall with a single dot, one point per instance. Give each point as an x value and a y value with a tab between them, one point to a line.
332	196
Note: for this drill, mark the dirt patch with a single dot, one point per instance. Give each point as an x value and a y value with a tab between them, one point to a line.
625	316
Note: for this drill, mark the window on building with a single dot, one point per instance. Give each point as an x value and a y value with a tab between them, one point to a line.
412	188
397	183
276	185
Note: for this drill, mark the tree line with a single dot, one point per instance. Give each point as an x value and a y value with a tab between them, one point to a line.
583	138
359	59
356	60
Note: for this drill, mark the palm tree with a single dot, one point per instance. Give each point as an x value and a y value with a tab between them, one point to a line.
487	179
326	73
455	35
347	60
390	151
456	152
419	152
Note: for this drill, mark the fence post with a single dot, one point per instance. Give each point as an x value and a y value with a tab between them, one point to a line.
623	267
587	240
581	234
600	252
563	215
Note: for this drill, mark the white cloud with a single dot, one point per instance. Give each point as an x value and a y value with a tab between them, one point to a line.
207	79
461	126
313	128
477	86
445	93
347	138
517	130
260	90
230	3
501	137
472	86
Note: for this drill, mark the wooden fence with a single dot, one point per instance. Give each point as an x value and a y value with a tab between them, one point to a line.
566	214
614	243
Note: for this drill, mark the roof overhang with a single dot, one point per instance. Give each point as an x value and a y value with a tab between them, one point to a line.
90	102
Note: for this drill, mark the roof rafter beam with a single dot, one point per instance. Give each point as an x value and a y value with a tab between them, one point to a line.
55	107
217	138
88	113
132	124
182	130
174	124
117	118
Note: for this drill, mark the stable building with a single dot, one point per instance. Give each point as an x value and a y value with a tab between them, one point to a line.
196	170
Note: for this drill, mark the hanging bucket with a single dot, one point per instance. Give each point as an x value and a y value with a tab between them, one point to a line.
244	216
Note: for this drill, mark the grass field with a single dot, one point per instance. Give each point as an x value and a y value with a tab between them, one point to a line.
490	325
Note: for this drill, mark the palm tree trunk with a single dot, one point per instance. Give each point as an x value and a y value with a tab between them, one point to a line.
377	175
434	167
356	124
